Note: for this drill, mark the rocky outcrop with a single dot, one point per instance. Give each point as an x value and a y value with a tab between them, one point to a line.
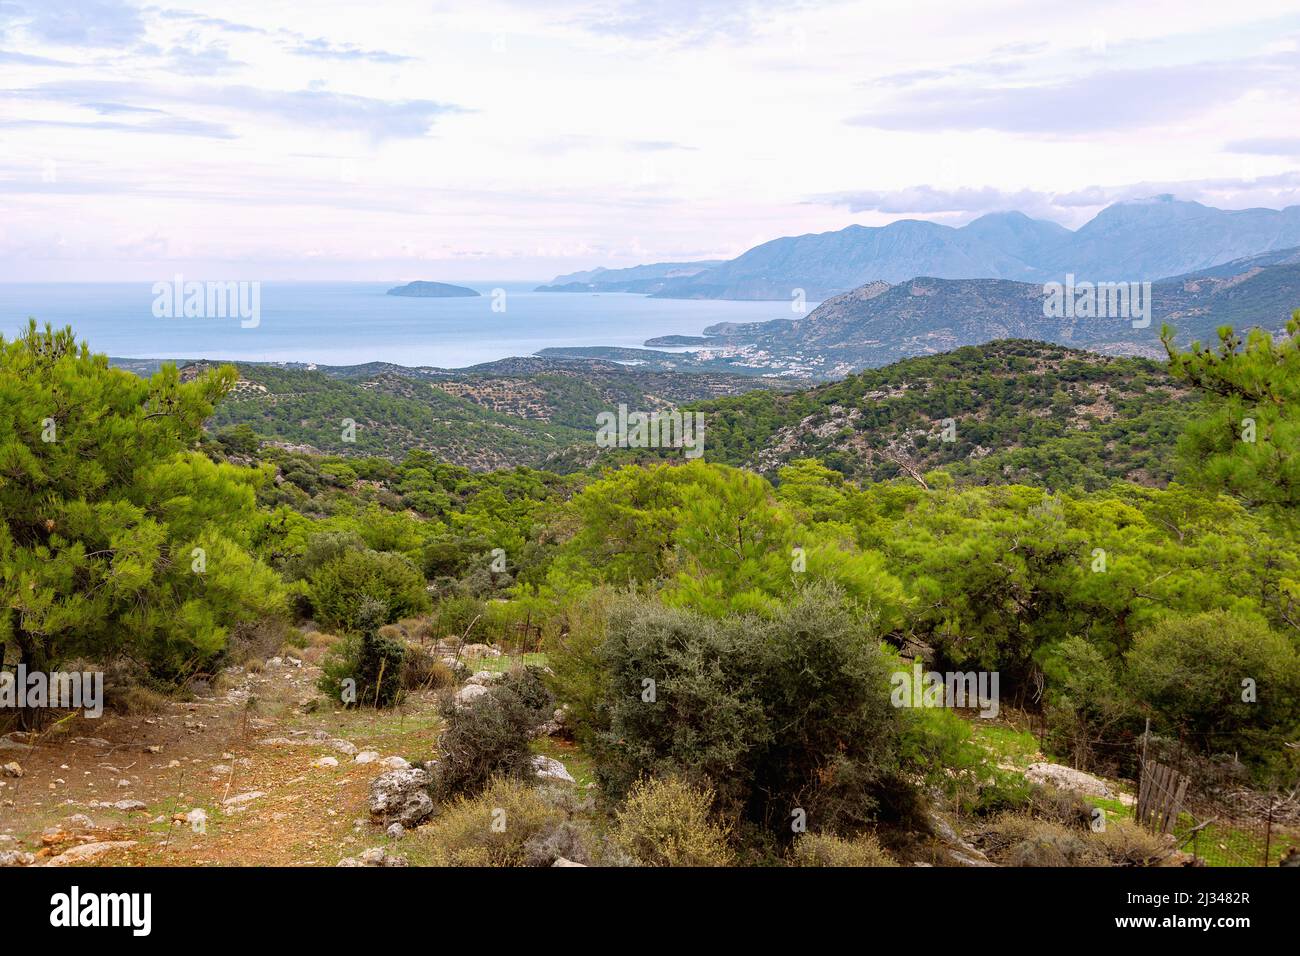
375	856
88	851
470	693
1067	778
401	796
548	768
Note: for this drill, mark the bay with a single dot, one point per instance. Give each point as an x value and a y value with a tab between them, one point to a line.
348	323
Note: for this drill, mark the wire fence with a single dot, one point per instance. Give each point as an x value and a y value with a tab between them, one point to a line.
1202	802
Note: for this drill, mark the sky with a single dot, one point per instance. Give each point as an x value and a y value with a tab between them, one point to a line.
521	139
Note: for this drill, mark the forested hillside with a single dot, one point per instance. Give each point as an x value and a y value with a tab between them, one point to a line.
1009	411
516	411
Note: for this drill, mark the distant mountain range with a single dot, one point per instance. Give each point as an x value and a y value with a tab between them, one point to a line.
647	279
1128	241
880	322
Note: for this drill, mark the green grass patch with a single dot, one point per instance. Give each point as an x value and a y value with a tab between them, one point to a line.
580	766
1008	745
505	662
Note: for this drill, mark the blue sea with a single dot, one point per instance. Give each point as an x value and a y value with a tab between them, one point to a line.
347	323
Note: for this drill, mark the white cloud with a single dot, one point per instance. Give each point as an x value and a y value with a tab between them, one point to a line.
512	139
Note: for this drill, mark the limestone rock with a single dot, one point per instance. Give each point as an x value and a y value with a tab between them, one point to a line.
401	796
1067	778
548	768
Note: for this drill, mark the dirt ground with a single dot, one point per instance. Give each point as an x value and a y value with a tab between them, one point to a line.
245	757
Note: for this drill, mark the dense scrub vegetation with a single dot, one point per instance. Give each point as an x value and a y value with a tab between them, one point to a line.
1020	412
723	640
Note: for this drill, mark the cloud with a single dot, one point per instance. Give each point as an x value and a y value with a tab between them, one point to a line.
656	146
165	125
201	60
968	202
199	19
1106	99
26	59
1003	60
93	23
1266	146
930	199
326	50
683	22
380	119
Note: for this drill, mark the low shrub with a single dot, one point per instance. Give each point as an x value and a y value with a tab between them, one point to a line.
507	824
528	684
423	670
364	671
774	713
667	822
1127	844
455	617
1016	839
824	849
484	739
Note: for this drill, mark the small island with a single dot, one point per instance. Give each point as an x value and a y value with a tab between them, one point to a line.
432	290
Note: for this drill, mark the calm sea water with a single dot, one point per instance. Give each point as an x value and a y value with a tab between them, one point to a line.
346	323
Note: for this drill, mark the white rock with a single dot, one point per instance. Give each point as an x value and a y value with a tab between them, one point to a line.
325	762
12	769
401	796
396	831
88	851
485	677
469	693
344	746
395	763
366	756
1067	778
548	768
239	799
562	861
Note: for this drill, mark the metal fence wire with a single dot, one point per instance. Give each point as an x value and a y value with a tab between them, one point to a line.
1210	813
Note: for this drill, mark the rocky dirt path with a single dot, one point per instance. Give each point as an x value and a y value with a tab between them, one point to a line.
250	776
